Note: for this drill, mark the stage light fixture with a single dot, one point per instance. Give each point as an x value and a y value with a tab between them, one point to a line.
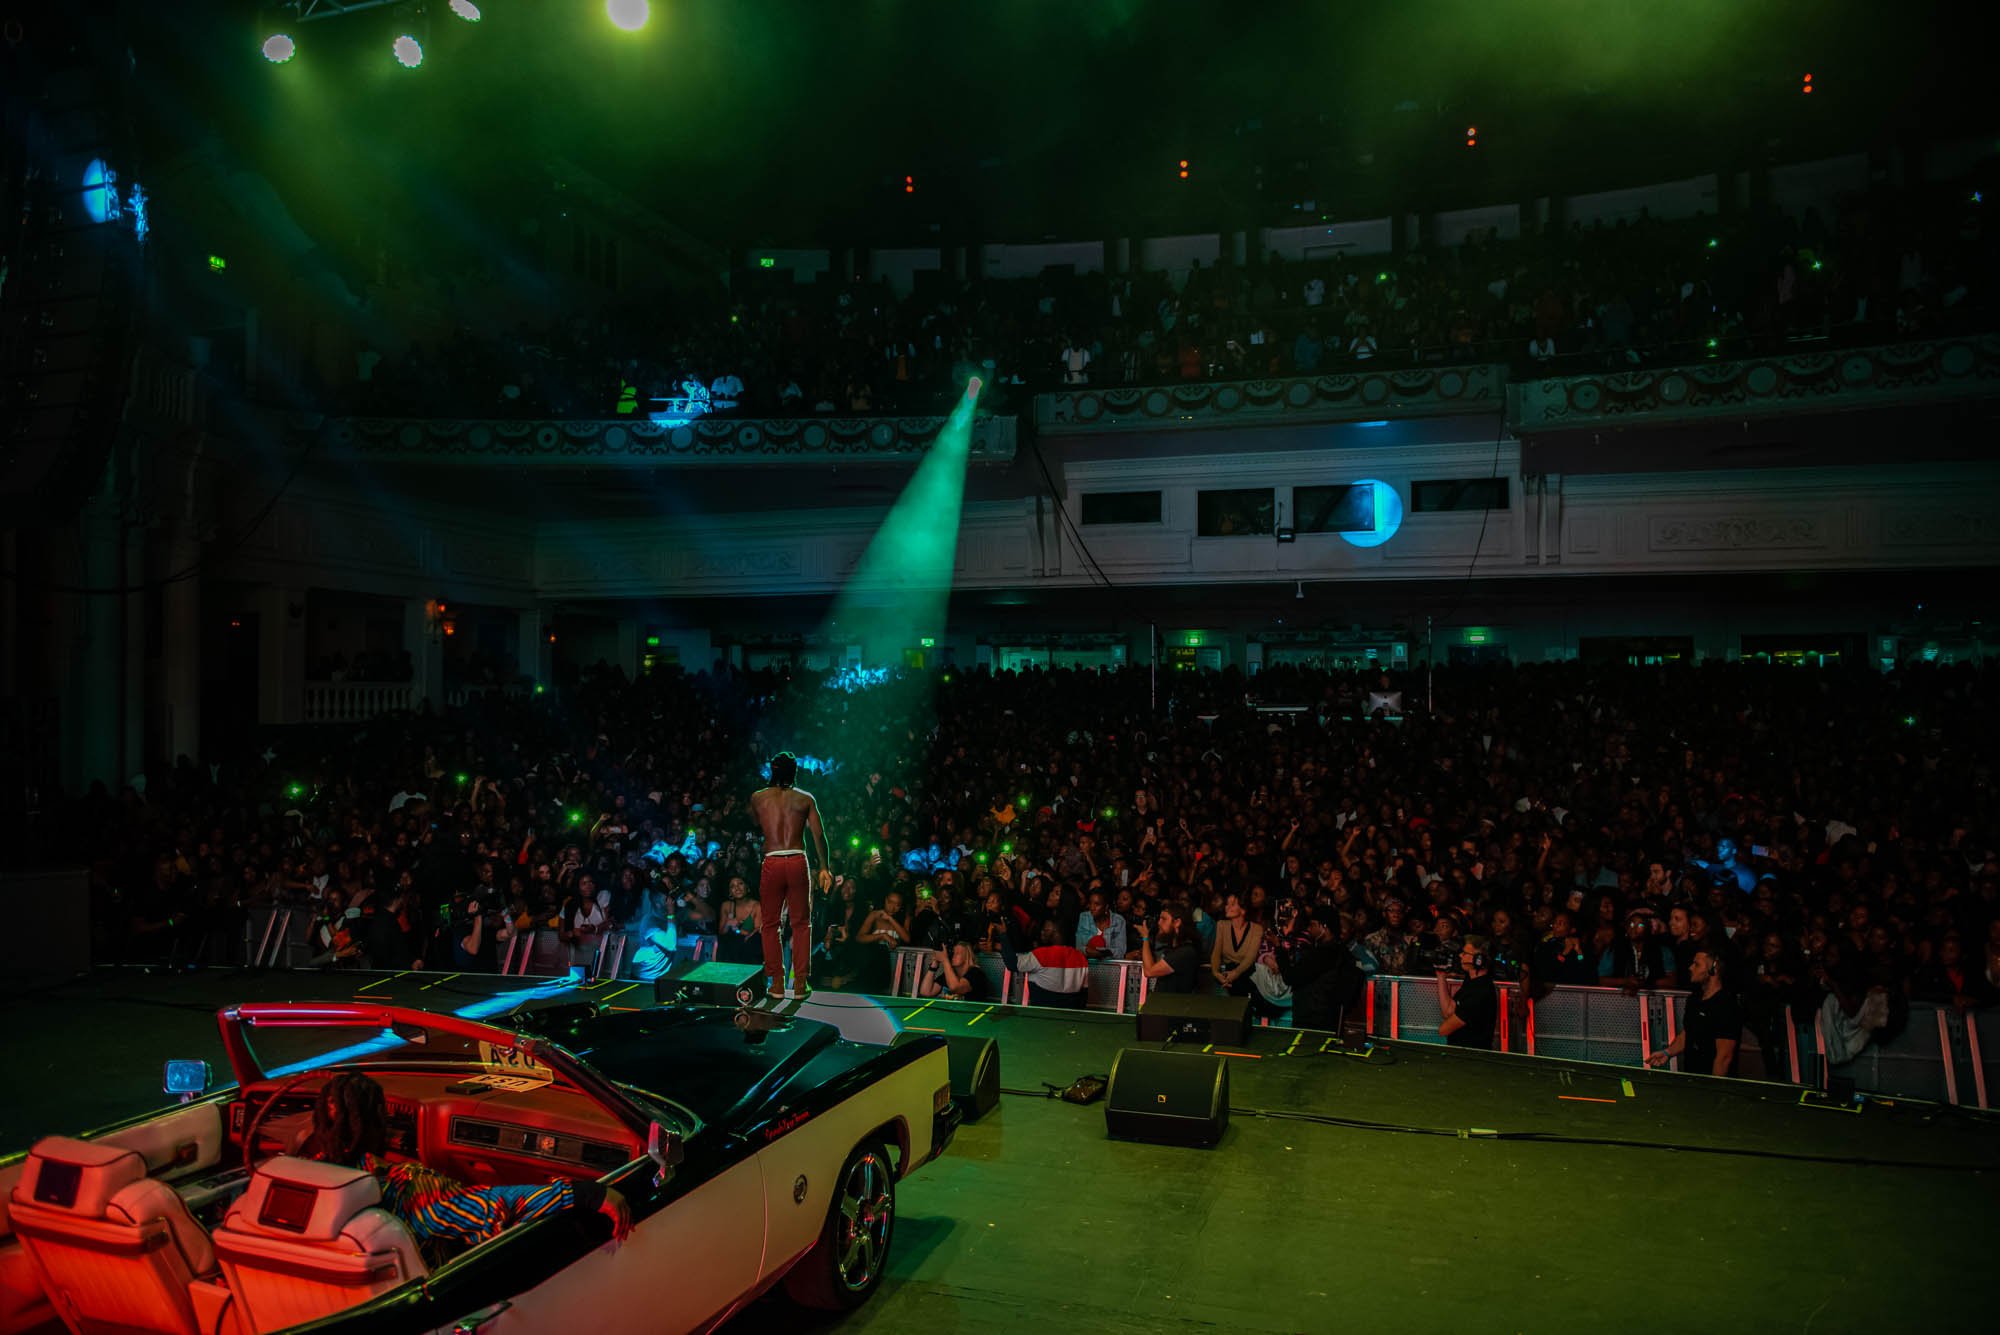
408	51
1184	169
279	48
631	15
466	10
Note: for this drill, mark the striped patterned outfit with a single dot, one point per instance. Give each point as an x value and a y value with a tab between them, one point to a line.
438	1208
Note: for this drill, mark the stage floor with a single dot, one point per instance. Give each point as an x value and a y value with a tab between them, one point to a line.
1668	1202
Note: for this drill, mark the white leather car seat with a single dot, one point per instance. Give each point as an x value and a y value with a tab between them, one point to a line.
115	1249
307	1240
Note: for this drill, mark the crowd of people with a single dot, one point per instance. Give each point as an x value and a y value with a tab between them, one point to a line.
1885	265
1811	838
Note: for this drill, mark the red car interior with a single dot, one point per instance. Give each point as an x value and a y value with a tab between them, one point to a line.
158	1227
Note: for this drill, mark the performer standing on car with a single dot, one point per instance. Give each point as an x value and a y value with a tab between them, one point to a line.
786	812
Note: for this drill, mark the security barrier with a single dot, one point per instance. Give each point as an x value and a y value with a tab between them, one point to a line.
1119	986
1941	1054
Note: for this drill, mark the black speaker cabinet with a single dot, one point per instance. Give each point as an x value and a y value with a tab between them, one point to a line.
1199	1016
713	983
1170	1098
975	1070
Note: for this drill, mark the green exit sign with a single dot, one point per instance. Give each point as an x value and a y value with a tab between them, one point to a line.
767	262
928	642
1194	637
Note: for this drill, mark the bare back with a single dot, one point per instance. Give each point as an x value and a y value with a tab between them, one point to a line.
785	815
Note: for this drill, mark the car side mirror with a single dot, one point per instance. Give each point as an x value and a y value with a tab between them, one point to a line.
186	1077
664	1148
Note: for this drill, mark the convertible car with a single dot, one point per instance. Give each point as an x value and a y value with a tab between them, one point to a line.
754	1148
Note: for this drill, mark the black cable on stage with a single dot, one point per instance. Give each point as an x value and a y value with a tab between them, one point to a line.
1558	1138
1062	511
1499	436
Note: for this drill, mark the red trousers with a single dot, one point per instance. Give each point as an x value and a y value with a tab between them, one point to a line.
784	886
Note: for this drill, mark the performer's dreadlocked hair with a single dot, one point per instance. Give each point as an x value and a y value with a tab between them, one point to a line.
350	1121
784	769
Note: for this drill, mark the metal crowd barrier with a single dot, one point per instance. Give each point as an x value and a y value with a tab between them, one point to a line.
1119	986
1940	1055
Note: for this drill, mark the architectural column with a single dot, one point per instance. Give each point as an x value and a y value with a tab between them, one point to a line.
180	647
281	654
532	658
92	709
423	638
132	647
627	661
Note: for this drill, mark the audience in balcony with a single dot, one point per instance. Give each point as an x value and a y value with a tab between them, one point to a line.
1888	265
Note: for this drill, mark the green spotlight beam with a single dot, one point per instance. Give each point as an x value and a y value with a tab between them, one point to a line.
897	596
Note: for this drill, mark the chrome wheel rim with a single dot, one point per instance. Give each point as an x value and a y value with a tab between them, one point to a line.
867	1209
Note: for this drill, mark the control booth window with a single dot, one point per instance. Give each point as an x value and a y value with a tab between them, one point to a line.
1458	493
1121	507
1235	513
1347	509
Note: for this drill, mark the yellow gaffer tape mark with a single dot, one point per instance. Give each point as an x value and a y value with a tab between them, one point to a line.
440	982
612	996
982	1015
921	1009
1628	1089
381	981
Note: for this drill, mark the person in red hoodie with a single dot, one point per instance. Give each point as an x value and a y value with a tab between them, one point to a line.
1057	973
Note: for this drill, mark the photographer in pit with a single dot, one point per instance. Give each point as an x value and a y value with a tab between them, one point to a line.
1176	964
954	973
1471	1017
1311	958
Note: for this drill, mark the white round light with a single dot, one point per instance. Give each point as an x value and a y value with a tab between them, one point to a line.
628	14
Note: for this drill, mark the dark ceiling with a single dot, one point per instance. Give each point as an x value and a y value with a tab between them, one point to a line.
768	122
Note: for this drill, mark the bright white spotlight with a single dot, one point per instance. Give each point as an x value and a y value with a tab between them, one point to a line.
409	52
628	14
278	48
466	10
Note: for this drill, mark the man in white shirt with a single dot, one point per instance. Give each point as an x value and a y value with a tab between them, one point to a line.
1076	363
725	391
1315	290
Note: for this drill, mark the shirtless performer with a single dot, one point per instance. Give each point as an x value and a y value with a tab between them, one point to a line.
786	813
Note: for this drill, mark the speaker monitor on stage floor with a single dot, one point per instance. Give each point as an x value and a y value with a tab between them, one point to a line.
975	1070
1194	1016
712	984
1168	1097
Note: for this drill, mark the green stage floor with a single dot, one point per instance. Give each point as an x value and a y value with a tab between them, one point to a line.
1035	1218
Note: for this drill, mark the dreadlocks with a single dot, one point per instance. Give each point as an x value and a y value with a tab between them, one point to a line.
350	1121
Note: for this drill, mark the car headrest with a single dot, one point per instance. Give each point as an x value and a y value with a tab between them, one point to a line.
302	1199
76	1176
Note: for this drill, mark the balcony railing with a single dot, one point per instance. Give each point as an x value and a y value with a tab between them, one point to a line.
354	701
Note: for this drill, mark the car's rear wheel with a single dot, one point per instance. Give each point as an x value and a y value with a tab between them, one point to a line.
848	1261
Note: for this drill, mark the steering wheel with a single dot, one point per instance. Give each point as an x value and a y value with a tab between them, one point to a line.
250	1135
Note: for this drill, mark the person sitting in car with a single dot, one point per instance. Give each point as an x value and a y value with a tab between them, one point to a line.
351	1128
